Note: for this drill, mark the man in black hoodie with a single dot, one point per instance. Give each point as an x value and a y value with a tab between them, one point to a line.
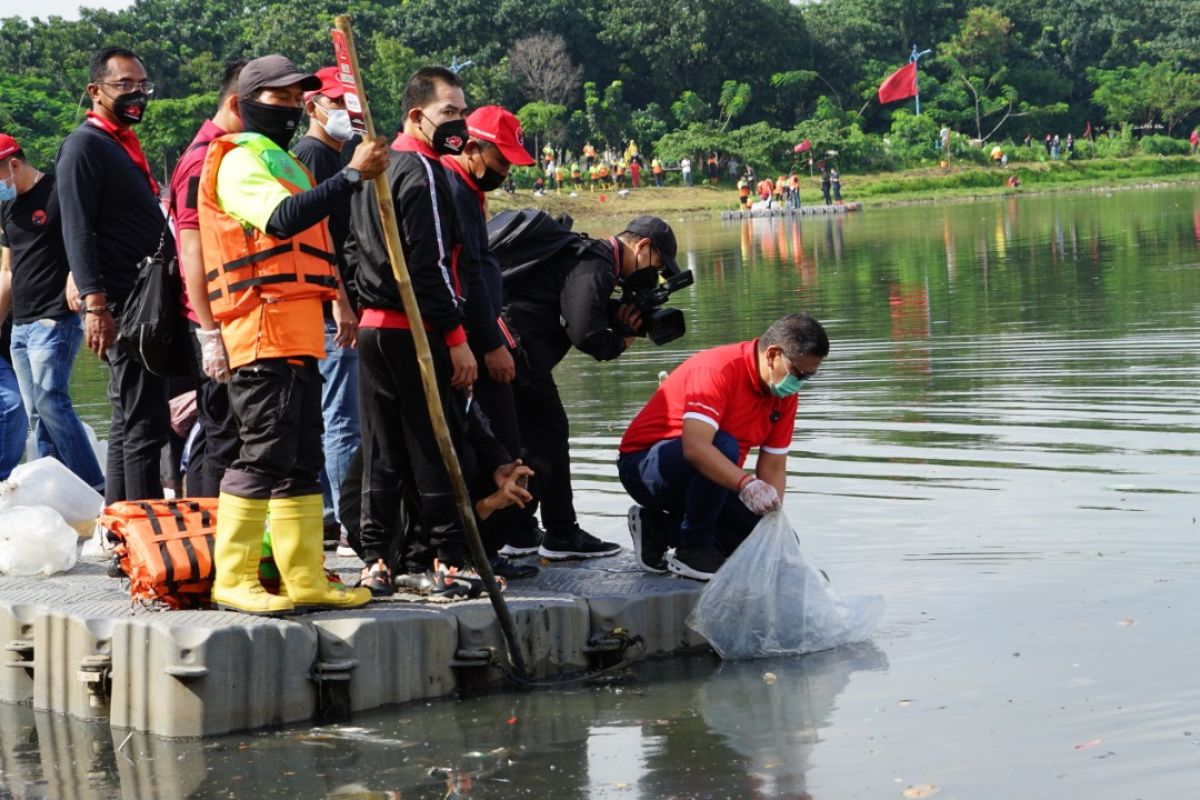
400	451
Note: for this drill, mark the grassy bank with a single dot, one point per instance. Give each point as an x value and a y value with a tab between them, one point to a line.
891	188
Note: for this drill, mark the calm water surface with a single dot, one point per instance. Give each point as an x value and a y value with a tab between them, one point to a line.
1003	442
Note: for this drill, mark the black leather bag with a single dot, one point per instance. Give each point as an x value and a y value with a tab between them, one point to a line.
152	327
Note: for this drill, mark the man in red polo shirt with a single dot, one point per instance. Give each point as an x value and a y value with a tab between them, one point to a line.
681	458
217	444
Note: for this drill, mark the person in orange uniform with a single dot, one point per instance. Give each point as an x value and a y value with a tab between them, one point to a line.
270	265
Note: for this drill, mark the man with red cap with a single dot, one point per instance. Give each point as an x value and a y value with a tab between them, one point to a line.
320	149
495	143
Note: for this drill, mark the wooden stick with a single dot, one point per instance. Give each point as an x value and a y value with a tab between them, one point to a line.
433	400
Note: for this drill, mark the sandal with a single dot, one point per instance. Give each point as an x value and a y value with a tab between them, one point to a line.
377	578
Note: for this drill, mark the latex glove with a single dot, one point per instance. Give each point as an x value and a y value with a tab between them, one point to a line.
760	496
212	352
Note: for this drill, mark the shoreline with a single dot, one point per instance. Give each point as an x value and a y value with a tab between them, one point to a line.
703	202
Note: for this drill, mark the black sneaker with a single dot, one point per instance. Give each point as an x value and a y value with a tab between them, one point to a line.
578	543
511	570
698	563
523	541
649	539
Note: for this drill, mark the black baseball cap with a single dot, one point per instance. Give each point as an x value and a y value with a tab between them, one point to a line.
273	72
661	236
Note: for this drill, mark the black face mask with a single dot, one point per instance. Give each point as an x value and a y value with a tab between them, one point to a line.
130	107
490	179
450	137
277	123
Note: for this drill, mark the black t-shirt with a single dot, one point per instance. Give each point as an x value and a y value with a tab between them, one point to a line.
30	226
324	162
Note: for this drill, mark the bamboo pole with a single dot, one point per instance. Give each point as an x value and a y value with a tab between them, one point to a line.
433	401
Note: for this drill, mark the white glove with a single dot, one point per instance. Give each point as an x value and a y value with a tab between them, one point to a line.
212	353
760	496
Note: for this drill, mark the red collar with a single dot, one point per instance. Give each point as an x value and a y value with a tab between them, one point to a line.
403	143
451	163
129	142
750	358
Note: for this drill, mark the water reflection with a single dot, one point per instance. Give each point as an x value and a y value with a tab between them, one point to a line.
687	729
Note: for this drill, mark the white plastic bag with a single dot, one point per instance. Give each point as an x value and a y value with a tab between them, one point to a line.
766	600
48	482
35	540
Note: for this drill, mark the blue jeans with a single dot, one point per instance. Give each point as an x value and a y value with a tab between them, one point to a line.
339	409
13	422
661	479
43	354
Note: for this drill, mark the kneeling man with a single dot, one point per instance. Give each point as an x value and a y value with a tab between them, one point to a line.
681	457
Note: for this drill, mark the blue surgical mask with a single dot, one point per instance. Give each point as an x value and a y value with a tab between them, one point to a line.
8	190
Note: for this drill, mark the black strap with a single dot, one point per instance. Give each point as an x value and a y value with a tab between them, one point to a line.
254	258
316	252
322	280
283	277
163	552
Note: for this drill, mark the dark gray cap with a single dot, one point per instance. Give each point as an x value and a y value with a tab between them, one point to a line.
661	236
273	72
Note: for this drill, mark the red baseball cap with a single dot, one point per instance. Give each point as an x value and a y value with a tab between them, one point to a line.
8	145
331	84
502	128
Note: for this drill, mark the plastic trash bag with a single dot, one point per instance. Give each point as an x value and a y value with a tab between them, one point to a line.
766	600
48	482
35	540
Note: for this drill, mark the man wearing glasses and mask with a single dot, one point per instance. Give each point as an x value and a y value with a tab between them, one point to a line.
681	458
111	220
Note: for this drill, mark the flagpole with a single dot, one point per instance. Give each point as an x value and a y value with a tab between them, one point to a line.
915	57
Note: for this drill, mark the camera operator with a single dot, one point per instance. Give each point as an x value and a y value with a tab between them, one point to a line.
568	302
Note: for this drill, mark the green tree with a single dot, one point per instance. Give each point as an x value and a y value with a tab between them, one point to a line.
1146	94
544	120
734	98
689	108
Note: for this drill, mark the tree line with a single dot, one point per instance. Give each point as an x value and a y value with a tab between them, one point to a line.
749	78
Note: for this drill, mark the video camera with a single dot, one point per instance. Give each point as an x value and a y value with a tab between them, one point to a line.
661	325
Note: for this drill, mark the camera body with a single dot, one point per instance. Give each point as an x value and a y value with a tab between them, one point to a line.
660	325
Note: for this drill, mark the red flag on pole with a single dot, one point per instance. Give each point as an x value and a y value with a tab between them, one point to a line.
900	85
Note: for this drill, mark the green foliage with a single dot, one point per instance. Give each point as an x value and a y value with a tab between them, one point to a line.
689	108
1164	146
915	140
545	121
748	77
1146	94
1121	145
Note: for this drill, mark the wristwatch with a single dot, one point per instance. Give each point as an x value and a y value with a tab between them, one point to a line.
353	176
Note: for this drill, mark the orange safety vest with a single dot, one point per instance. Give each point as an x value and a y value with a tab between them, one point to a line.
246	267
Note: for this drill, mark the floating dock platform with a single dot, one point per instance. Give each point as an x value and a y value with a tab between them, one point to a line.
74	644
780	211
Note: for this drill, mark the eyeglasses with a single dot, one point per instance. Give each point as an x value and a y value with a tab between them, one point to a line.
129	86
799	375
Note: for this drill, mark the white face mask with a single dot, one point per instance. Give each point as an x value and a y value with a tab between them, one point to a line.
337	124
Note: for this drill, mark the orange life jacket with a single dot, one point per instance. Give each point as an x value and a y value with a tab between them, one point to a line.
247	267
165	548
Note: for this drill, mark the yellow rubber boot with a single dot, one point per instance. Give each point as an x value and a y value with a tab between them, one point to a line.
237	549
297	535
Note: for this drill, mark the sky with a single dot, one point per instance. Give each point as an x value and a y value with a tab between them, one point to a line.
68	9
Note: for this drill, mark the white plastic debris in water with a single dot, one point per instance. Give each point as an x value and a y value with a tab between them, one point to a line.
47	482
766	600
35	540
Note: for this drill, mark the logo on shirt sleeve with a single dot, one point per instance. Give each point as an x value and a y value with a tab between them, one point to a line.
39	217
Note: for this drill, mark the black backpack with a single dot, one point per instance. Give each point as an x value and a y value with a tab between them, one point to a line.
524	239
152	327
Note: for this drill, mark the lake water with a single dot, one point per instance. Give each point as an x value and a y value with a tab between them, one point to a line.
1003	442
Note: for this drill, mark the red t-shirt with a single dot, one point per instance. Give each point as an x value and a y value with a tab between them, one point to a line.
185	183
719	387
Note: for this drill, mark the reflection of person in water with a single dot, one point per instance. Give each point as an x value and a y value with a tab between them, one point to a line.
775	725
